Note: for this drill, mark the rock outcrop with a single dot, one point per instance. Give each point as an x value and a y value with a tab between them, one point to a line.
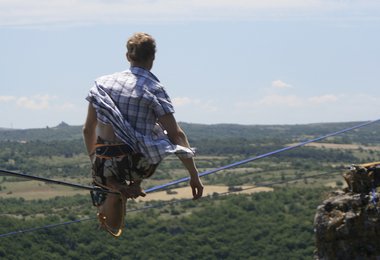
347	224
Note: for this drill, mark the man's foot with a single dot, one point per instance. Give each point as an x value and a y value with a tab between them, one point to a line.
135	186
131	191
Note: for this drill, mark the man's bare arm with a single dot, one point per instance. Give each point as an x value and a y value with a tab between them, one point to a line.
89	130
177	136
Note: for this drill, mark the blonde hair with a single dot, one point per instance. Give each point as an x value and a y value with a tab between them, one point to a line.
141	47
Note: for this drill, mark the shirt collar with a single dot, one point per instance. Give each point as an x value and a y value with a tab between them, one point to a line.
143	72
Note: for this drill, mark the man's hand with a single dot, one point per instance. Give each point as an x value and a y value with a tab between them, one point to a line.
196	187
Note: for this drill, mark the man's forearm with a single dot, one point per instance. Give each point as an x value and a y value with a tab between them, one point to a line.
190	166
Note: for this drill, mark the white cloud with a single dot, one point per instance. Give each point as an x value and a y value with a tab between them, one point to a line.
190	103
64	12
276	100
280	84
65	106
281	100
37	102
182	101
292	109
7	98
323	99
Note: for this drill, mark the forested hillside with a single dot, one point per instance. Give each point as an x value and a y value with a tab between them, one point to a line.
269	225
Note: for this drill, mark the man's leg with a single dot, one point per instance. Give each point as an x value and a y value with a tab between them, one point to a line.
111	214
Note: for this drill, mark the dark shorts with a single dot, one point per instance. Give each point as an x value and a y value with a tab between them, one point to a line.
124	167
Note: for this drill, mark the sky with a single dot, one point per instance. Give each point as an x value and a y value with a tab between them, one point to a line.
243	61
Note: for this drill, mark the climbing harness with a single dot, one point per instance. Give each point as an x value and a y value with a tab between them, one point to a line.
119	162
108	151
98	196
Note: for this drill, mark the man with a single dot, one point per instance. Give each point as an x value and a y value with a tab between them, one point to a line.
130	125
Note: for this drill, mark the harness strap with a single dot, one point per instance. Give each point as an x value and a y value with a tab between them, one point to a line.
108	151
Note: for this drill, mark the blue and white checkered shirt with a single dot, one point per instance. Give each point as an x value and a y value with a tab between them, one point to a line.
131	101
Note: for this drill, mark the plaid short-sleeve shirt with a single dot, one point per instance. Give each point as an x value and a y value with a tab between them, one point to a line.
131	101
139	95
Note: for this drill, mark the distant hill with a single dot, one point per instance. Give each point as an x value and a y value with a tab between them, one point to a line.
63	131
202	132
282	133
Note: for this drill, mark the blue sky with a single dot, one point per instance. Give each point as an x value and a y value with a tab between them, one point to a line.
241	61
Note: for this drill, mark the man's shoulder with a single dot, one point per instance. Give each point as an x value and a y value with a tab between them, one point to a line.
113	76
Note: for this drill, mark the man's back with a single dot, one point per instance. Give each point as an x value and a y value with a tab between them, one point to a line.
139	97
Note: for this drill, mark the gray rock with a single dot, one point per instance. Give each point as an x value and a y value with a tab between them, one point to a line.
347	224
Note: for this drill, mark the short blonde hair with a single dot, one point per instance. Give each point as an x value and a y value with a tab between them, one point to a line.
141	47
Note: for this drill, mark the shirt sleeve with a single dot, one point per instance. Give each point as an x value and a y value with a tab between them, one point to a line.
91	97
162	104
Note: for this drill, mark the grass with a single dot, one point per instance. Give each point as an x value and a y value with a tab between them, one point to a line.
262	171
33	190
